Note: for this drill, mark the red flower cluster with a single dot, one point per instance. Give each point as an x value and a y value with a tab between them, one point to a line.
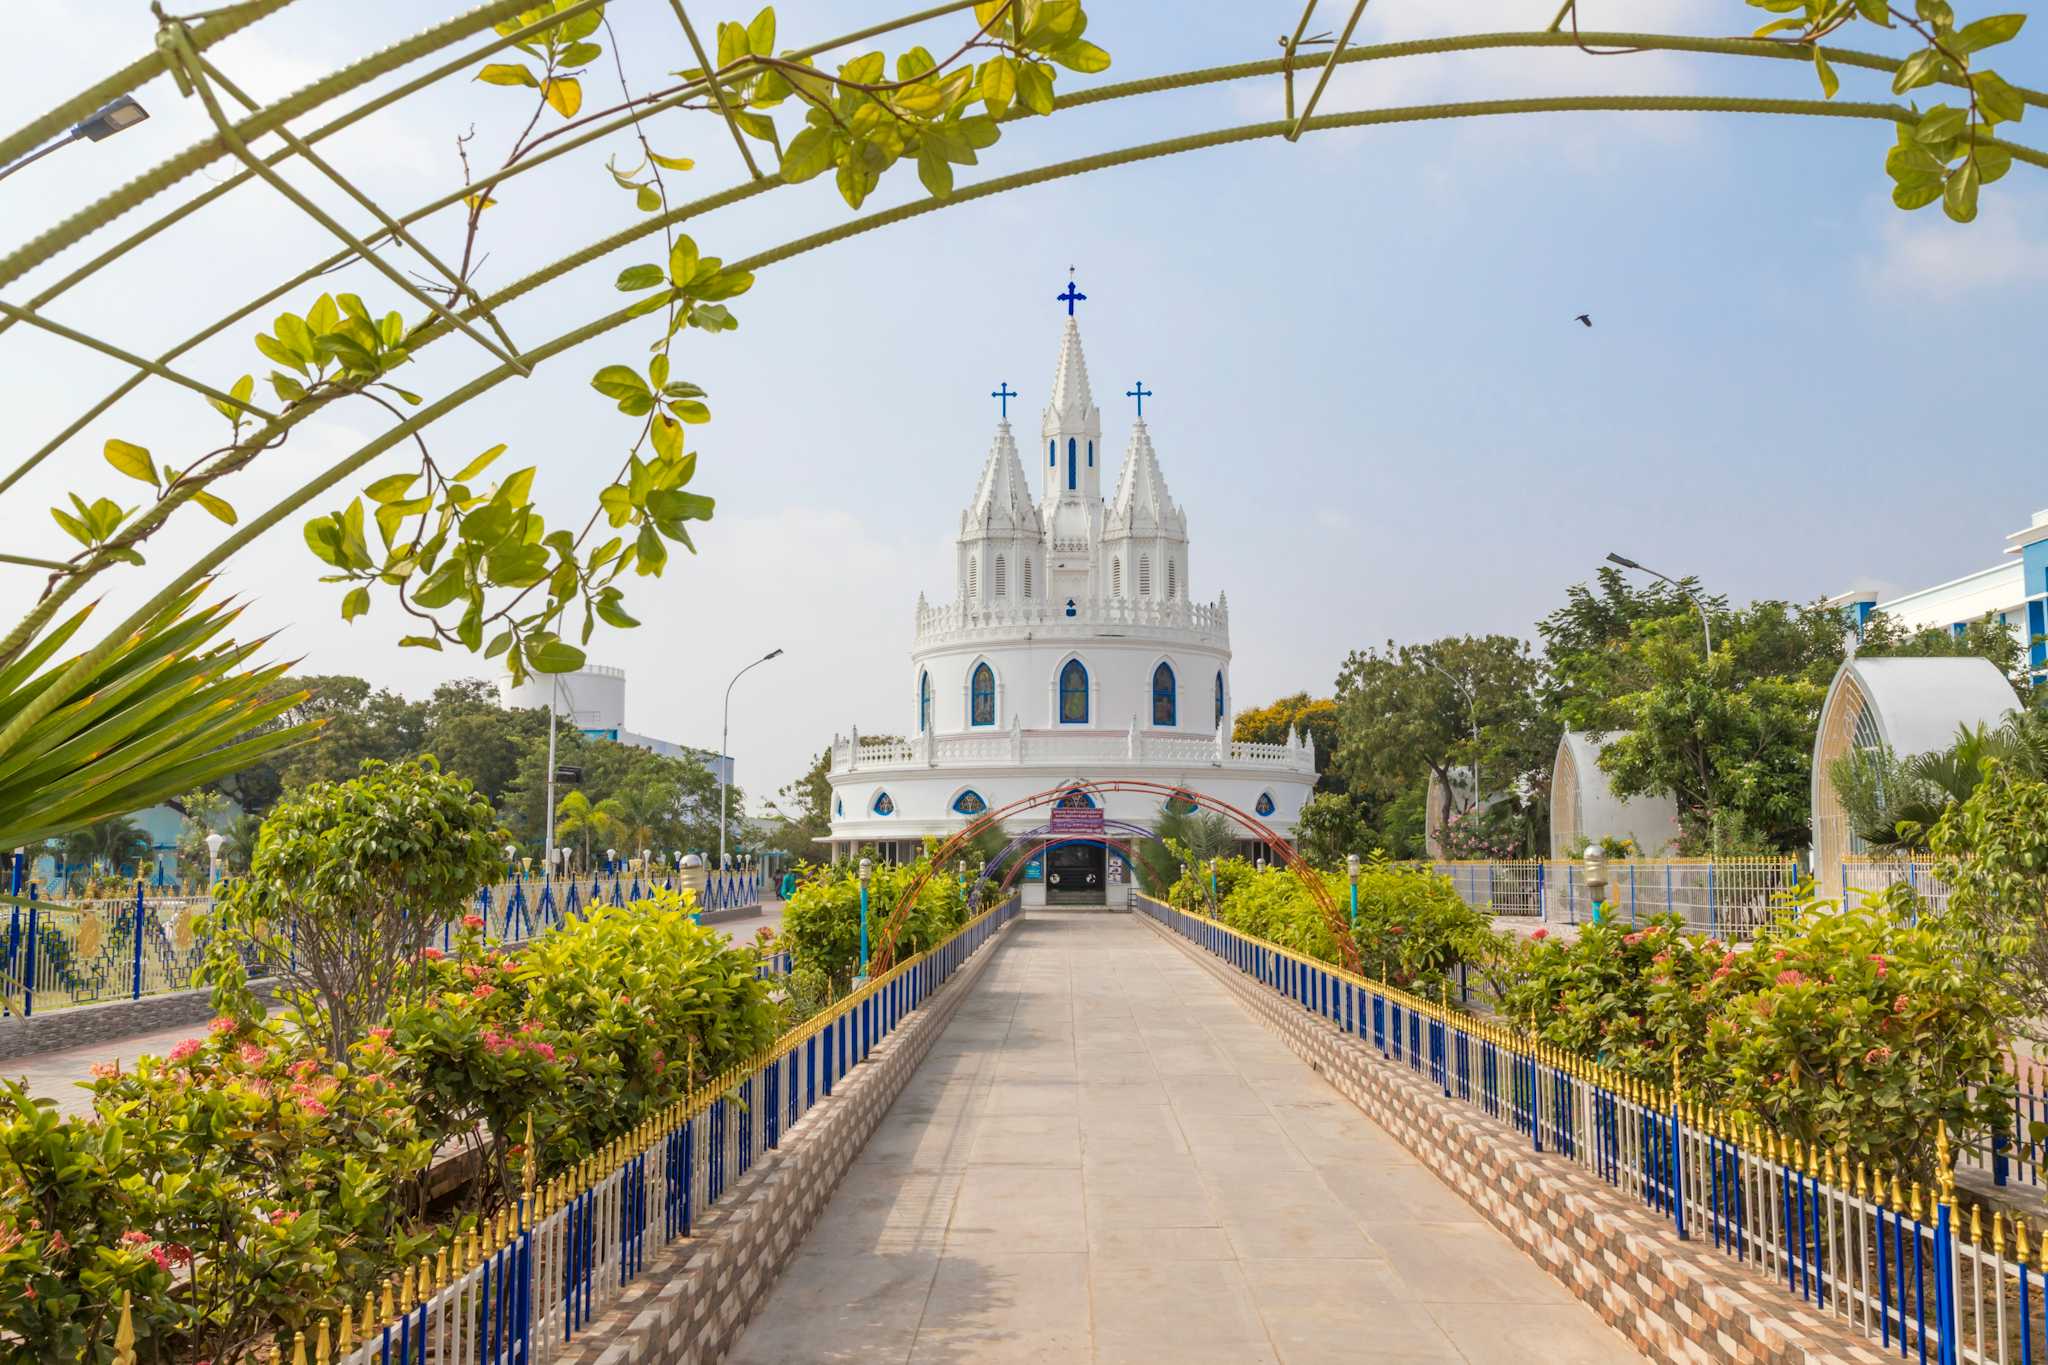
472	921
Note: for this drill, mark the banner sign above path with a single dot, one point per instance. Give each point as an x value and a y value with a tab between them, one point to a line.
1076	820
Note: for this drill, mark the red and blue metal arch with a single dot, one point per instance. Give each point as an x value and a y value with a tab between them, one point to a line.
1282	851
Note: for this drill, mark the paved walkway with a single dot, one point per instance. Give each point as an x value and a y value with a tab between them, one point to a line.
1106	1159
56	1075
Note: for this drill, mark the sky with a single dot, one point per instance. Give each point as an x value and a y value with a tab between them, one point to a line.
1364	379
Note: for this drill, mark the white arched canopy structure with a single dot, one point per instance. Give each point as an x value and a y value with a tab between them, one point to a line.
1912	706
1583	803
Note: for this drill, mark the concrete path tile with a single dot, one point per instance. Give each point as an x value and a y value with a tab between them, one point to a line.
1004	1308
1564	1334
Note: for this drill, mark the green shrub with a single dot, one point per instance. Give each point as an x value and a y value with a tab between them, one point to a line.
821	922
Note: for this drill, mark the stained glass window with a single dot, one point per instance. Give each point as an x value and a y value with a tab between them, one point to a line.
981	691
1180	803
924	702
969	802
1075	799
1265	806
883	805
1165	702
1073	694
1219	696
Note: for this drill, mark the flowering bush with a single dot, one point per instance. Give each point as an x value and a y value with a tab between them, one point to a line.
238	1189
1618	995
821	920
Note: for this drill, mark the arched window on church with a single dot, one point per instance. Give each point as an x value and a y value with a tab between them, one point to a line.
924	702
1144	575
1116	576
1074	694
981	696
1172	578
999	581
1265	806
1165	696
973	576
1027	577
1073	476
1091	454
883	805
969	802
1052	452
1219	696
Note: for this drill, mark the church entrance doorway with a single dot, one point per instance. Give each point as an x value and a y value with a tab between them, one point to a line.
1076	874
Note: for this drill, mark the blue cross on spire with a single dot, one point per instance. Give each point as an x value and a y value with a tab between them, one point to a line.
1141	393
1073	295
1004	393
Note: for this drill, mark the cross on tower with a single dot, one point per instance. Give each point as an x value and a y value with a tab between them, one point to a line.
1004	393
1141	393
1072	296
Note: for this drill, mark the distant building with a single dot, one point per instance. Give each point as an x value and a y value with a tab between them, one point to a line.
2013	593
593	699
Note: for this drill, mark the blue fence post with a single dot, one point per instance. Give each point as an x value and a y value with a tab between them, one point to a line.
28	984
137	979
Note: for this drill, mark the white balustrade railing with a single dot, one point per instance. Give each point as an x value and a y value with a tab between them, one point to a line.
1206	620
979	748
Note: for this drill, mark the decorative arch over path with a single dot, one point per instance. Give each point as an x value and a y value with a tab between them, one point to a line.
1281	849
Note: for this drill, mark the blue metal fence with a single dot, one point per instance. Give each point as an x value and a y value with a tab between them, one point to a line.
1889	1261
576	1242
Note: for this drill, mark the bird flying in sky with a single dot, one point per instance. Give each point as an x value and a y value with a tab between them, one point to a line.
1586	318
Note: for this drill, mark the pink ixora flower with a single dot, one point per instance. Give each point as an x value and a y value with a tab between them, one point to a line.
544	1051
484	992
279	1217
222	1024
185	1050
1633	939
1876	1055
134	1237
253	1055
472	921
314	1107
1878	959
106	1071
432	954
1540	934
1789	977
163	1261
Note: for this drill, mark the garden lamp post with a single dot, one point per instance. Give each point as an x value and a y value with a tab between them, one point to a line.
1596	880
611	859
1351	867
1212	886
724	757
213	843
867	869
511	860
1706	626
109	119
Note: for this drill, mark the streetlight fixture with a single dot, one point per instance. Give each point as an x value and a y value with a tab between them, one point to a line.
213	843
867	870
1706	626
725	757
1472	700
110	118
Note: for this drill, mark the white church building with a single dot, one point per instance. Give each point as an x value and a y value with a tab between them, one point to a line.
1073	652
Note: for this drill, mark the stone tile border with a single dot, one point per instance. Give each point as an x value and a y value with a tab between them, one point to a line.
110	1021
696	1295
1675	1301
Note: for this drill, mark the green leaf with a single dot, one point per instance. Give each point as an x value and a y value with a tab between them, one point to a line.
241	389
580	54
1999	101
1034	88
653	555
673	504
637	277
1959	199
1922	68
609	610
935	172
73	527
623	384
564	95
1829	82
682	260
555	657
1941	124
1876	11
667	436
517	489
1987	32
648	200
507	73
132	460
673	163
215	505
355	603
761	33
657	370
1080	55
1992	163
755	125
420	642
443	586
479	464
391	488
617	502
1916	191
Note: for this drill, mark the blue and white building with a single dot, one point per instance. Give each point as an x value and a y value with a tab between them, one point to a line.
593	700
2012	592
1073	650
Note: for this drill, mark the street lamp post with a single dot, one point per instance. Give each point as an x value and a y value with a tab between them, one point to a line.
867	869
213	843
725	758
1472	700
107	120
1706	626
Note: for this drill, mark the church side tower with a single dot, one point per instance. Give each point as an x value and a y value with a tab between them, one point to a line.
1001	549
1145	541
1072	506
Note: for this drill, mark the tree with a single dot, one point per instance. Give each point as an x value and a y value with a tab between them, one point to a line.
204	812
351	883
684	788
1893	804
805	806
117	844
1731	738
1884	637
578	817
1406	714
1298	714
473	735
